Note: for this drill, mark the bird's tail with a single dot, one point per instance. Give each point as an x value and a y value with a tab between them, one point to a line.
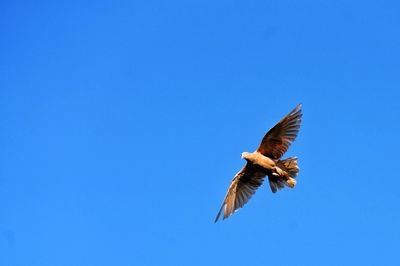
291	167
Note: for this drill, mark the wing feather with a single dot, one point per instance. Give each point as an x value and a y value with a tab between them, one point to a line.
278	139
242	188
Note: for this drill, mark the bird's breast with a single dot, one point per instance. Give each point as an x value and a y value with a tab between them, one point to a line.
263	161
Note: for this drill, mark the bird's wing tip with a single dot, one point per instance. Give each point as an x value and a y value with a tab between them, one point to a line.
219	213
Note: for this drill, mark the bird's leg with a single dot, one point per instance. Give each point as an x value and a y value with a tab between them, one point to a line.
289	181
279	172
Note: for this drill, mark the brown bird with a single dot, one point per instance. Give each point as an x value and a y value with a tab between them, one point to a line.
265	161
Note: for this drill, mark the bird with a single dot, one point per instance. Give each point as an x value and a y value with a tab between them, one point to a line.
265	161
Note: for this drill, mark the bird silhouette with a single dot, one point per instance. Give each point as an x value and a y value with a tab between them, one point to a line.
265	161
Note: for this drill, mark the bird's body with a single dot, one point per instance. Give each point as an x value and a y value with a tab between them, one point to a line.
265	161
259	159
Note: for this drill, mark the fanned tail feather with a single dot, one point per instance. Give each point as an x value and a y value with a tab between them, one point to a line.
290	168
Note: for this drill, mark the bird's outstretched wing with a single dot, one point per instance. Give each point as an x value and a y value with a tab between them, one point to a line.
278	139
243	186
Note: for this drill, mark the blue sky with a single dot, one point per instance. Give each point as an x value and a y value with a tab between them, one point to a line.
122	124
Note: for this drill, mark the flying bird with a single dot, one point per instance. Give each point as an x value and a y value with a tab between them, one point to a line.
265	161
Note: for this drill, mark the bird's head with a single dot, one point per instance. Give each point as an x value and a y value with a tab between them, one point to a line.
245	155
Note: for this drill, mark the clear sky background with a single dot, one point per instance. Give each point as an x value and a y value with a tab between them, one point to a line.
122	124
